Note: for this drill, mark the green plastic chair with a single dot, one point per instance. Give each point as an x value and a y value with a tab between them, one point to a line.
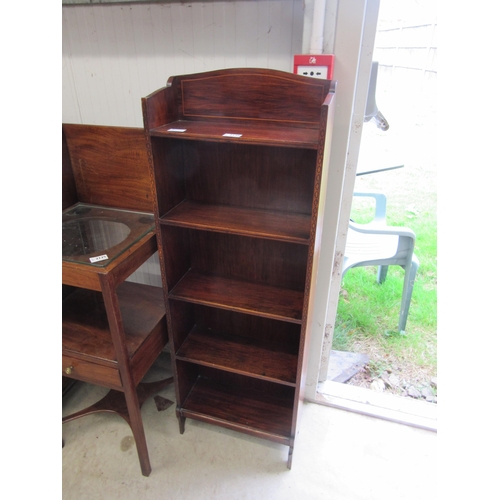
377	244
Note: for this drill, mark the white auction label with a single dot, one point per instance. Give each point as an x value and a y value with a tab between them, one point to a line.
99	258
232	135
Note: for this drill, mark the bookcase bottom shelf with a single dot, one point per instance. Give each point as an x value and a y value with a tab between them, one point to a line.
245	410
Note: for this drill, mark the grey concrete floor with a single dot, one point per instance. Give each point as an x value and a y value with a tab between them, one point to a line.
338	455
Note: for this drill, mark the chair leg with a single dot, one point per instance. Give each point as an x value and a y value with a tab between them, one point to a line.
382	273
410	275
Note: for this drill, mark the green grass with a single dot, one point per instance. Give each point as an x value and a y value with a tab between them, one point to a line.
368	313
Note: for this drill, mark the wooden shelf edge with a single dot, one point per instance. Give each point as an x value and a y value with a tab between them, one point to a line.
239	132
234	370
227	424
221	292
207	348
256	223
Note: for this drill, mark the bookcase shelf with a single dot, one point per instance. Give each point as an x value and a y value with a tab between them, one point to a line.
258	223
238	295
251	411
260	359
241	132
237	158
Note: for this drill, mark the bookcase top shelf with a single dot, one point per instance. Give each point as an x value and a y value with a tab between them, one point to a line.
251	132
242	105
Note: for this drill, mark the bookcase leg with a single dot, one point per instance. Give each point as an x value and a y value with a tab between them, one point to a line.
290	453
182	421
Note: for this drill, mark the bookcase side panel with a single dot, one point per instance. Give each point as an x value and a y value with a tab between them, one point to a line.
322	164
169	168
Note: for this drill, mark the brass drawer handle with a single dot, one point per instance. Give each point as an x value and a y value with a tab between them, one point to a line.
69	370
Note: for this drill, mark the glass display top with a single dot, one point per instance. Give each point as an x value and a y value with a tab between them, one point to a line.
96	235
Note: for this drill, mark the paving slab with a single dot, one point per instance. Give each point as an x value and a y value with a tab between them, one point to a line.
344	365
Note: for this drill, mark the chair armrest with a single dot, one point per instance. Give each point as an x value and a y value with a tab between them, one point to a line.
380	205
382	229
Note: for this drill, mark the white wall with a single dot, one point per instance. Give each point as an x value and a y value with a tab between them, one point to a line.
115	54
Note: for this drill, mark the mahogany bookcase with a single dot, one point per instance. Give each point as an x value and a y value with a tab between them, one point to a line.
237	159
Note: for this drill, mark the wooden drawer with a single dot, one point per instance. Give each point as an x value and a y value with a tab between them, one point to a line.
91	372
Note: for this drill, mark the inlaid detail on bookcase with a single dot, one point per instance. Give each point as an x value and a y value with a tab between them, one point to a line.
326	114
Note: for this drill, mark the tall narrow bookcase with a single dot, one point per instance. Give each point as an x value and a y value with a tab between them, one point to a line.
237	161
